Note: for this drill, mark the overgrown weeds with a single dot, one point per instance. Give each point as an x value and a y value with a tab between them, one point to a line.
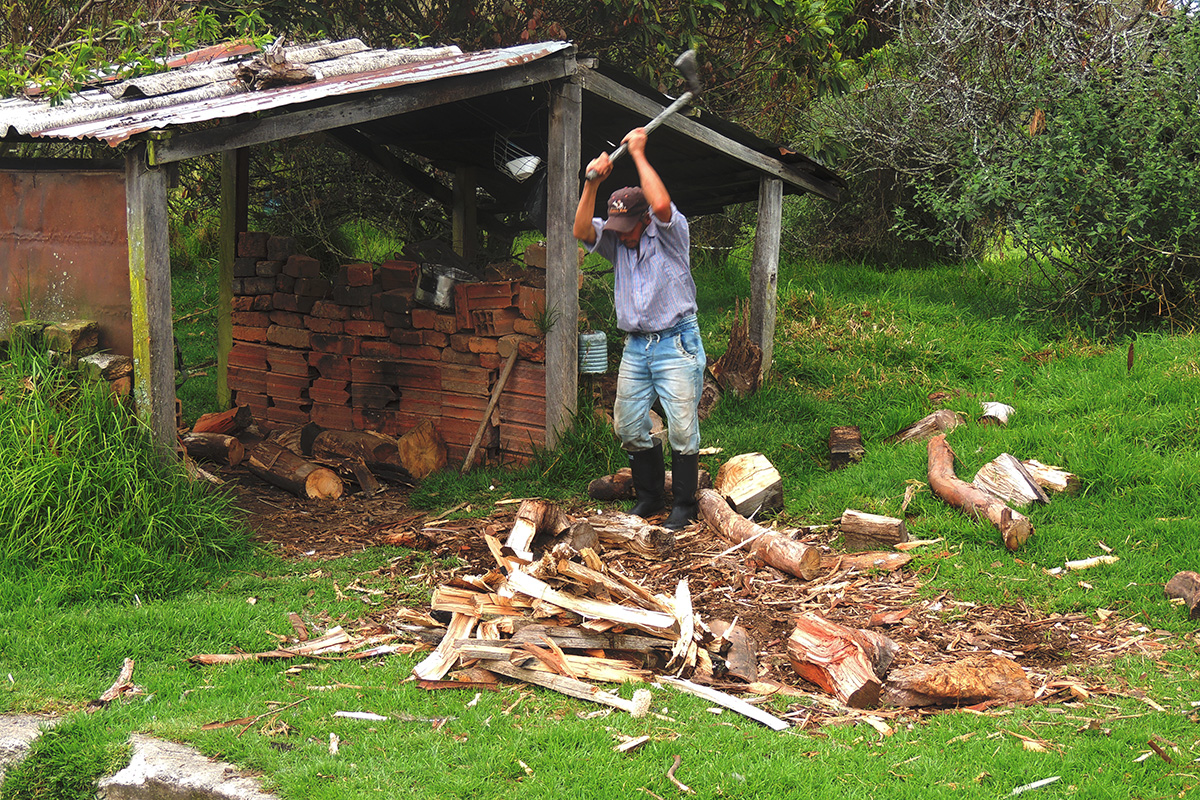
90	506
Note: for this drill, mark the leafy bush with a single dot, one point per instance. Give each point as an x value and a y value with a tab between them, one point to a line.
91	507
1062	128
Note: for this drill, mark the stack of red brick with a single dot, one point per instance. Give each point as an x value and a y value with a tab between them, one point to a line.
356	352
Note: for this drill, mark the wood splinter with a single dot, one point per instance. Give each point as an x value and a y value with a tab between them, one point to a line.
671	776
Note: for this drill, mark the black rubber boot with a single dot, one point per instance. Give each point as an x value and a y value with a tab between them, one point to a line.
649	478
685	472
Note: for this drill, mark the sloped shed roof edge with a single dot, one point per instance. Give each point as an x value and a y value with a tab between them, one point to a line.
119	120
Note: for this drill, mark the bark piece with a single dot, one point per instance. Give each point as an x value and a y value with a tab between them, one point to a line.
740	659
231	422
845	446
272	68
1186	585
977	678
850	664
739	368
769	547
996	413
751	484
627	532
1054	479
497	390
215	447
863	531
364	477
285	469
940	421
1006	478
972	501
435	666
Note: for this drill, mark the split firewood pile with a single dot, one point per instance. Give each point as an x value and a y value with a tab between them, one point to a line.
577	602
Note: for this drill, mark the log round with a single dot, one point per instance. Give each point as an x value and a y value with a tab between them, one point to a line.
285	469
1013	527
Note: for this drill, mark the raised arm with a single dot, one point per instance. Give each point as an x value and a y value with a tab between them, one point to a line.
584	212
652	186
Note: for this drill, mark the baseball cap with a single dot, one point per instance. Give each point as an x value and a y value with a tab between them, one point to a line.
626	207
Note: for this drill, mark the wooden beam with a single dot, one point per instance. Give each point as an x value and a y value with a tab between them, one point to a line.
150	296
562	267
228	252
610	90
764	270
361	108
465	219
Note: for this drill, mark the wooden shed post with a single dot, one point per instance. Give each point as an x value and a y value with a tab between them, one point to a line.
562	266
150	296
764	270
465	222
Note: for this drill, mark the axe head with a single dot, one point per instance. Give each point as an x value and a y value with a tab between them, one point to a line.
686	64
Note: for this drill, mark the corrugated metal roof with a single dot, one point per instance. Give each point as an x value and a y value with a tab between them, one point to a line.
207	89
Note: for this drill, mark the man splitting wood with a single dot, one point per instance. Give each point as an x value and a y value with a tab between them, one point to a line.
647	240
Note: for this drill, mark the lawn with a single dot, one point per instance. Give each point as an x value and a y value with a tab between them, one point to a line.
855	346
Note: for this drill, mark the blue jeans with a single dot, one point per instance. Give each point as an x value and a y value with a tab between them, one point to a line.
668	365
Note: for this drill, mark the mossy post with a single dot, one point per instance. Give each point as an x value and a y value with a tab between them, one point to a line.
150	295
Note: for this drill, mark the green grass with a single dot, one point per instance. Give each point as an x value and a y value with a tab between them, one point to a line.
877	349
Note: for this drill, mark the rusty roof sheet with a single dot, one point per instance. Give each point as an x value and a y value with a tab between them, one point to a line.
206	89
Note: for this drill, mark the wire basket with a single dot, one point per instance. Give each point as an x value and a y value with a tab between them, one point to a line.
513	160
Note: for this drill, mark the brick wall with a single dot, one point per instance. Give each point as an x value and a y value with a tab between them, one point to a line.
354	351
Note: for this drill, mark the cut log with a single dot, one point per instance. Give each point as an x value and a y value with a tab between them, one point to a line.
977	678
751	484
845	446
996	413
379	453
972	501
230	422
422	450
574	540
1053	479
283	468
535	518
861	562
850	664
215	447
1006	478
927	427
769	547
863	531
619	485
627	532
1186	586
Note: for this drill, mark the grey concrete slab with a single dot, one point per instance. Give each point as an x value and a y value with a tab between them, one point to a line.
161	770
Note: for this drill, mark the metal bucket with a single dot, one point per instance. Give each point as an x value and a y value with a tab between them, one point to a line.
593	353
435	286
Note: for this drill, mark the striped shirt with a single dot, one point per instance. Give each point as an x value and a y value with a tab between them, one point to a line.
654	286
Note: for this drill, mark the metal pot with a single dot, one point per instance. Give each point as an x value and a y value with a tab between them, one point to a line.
435	286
